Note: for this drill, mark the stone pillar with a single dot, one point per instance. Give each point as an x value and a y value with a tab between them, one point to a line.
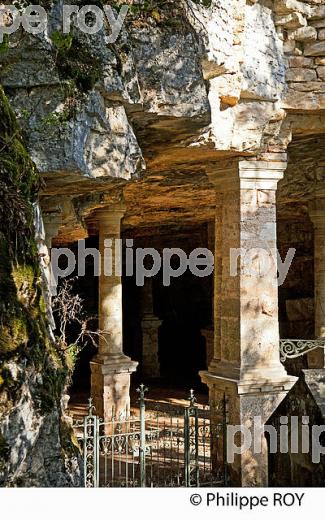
317	215
150	361
51	222
111	369
150	341
208	332
246	365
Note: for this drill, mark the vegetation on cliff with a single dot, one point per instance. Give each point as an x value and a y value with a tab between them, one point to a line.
25	344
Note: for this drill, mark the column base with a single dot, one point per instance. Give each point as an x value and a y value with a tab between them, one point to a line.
110	384
247	400
246	374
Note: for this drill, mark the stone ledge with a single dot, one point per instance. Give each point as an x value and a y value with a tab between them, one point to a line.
278	385
113	365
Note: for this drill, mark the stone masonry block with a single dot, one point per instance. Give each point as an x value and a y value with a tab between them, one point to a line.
300	74
315	49
321	72
300	61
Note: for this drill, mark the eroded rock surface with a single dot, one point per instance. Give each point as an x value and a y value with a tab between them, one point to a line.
182	86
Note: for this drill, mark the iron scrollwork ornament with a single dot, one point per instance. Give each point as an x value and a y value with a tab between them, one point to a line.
294	348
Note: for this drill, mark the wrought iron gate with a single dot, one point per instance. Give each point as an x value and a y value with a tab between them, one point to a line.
161	446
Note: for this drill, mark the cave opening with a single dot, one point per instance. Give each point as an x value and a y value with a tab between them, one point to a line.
178	313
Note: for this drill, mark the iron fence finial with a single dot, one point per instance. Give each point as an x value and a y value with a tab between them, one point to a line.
91	407
142	390
192	398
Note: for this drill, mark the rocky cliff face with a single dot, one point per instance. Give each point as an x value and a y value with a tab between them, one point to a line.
36	443
185	83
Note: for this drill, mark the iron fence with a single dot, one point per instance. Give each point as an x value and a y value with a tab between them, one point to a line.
159	445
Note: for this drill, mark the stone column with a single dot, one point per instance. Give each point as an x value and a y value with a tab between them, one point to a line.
111	369
246	365
150	325
51	222
208	332
317	215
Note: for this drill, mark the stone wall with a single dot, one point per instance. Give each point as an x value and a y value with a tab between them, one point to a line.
296	295
297	468
303	178
301	25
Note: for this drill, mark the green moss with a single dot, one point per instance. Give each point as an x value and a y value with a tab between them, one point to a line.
19	183
13	335
7	286
4	45
163	12
76	62
23	322
69	442
71	355
54	120
61	41
42	305
24	278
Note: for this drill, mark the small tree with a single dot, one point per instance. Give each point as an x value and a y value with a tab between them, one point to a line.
68	310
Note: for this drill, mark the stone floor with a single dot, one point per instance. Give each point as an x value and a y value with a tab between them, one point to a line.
162	395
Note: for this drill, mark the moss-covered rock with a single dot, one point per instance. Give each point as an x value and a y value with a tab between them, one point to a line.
33	370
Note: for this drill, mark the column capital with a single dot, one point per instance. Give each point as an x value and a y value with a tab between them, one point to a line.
111	214
239	173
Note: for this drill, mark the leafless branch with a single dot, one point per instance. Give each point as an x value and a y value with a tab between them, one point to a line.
68	309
